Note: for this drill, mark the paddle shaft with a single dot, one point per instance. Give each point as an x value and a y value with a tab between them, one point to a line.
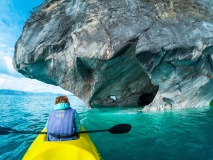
117	129
28	132
38	132
94	131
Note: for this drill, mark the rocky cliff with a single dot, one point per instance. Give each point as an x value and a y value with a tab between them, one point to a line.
157	53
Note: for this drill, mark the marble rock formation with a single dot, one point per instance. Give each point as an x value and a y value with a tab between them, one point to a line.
156	53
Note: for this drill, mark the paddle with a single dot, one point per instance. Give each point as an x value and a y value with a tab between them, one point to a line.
117	129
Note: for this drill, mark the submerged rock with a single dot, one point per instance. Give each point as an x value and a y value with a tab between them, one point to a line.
156	53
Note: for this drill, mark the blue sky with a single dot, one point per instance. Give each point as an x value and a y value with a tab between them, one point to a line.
13	15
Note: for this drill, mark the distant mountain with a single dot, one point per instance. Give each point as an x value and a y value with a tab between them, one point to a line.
15	92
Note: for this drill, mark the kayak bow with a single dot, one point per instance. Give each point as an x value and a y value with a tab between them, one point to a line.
79	149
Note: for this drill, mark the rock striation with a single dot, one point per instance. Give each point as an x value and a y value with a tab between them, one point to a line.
156	53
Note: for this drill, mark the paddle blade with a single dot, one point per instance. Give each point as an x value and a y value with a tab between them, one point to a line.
120	129
5	131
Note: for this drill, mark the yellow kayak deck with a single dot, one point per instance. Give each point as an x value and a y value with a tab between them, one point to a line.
79	149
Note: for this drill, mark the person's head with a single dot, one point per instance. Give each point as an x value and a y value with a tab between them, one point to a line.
62	99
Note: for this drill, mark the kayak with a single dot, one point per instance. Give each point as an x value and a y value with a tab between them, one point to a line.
80	149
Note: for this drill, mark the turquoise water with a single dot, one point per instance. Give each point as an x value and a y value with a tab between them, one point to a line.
167	135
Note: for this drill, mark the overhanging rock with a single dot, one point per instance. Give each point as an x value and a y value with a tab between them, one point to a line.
154	53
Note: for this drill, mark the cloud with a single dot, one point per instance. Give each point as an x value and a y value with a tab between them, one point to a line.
10	23
30	85
13	15
10	30
6	66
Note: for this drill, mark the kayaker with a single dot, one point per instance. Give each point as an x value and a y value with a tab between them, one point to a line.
63	122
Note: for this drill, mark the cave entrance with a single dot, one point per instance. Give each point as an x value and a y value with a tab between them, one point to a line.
146	98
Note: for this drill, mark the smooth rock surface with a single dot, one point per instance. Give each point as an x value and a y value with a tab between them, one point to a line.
157	53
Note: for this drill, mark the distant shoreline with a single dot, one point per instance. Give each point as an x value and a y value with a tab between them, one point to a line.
16	92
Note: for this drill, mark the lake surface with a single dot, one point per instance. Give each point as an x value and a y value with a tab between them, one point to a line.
165	135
